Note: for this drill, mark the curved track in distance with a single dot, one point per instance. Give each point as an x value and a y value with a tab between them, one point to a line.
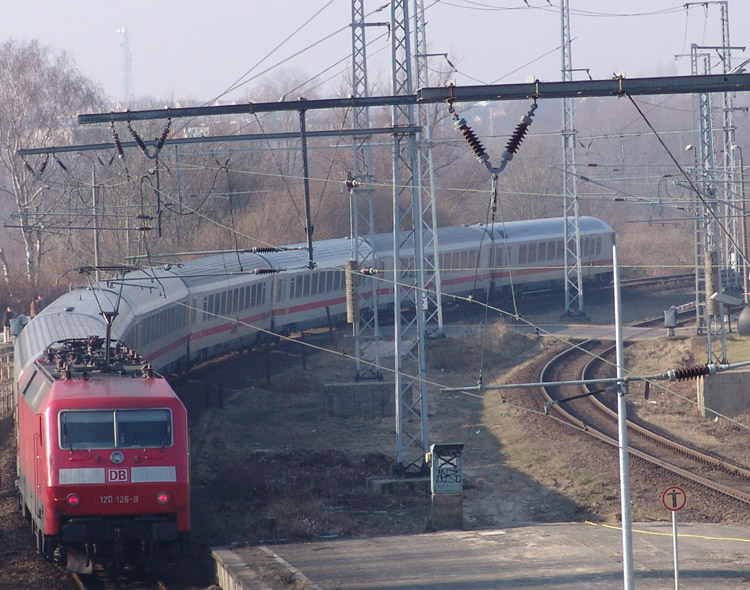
597	419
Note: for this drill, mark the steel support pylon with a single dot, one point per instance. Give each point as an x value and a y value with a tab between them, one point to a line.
412	435
426	114
733	207
717	256
572	260
708	254
365	325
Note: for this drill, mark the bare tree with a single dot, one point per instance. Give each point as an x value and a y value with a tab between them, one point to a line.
40	93
530	187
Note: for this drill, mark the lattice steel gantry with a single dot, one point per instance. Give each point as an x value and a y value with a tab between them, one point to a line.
572	260
365	316
412	433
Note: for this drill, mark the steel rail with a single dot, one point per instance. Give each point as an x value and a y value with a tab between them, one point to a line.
591	430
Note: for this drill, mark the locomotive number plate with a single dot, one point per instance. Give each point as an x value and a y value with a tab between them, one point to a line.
112	499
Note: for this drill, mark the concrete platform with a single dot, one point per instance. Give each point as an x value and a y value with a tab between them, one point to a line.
543	557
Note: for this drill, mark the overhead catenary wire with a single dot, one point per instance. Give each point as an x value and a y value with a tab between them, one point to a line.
588	196
740	251
670	375
481	155
234	233
241	80
330	167
211	191
501	311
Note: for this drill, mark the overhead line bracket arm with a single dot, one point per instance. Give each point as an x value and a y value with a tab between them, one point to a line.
541	90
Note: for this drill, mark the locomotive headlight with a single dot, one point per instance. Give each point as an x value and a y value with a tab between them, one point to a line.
73	500
117	457
162	498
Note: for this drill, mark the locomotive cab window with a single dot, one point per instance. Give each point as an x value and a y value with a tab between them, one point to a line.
143	428
87	430
109	429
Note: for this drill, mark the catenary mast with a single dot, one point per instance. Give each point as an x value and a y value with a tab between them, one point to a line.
573	277
412	435
720	262
426	176
365	314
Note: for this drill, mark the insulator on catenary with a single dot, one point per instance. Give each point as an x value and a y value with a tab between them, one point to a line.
137	138
262	249
518	134
691	373
265	271
368	271
472	140
118	144
163	136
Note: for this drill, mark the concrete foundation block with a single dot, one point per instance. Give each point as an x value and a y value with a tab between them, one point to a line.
447	512
399	485
724	393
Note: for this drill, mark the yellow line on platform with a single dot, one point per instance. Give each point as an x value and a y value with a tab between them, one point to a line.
659	534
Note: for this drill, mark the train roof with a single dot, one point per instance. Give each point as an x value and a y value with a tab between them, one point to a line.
77	313
227	265
91	366
330	253
207	270
101	392
456	236
54	320
447	237
540	228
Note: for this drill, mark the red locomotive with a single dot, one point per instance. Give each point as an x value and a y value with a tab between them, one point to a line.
103	467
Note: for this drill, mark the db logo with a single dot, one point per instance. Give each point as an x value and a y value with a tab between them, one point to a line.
117	475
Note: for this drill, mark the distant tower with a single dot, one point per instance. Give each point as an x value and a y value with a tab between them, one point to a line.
127	65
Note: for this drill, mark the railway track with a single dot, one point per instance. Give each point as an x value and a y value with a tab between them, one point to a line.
671	280
122	584
103	579
594	415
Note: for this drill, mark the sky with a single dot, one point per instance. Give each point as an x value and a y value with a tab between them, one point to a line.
197	50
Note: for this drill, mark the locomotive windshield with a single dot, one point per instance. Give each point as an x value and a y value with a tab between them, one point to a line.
109	429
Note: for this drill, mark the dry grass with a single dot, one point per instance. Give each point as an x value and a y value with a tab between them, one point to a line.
267	469
672	406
